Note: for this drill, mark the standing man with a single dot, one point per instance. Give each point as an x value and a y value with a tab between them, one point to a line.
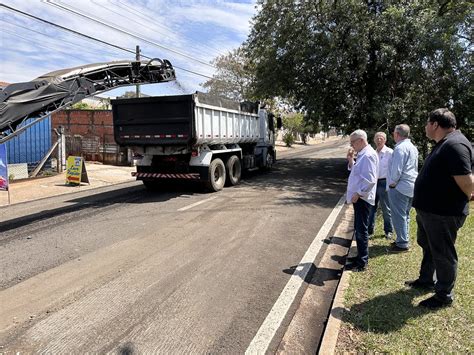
402	173
361	193
385	154
442	193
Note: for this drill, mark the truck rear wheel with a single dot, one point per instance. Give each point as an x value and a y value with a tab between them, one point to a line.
217	174
269	160
234	170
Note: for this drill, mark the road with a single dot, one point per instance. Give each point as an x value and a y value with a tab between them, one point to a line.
171	272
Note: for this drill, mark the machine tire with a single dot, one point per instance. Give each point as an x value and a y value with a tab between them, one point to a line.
234	170
217	175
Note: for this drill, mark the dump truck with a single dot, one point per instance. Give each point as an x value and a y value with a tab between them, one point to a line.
198	137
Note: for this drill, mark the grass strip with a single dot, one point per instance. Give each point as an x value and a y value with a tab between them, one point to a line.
382	314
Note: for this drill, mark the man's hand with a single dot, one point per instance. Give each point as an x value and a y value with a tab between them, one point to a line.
351	157
355	198
465	183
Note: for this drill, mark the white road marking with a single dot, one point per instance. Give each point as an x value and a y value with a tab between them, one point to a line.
270	325
197	203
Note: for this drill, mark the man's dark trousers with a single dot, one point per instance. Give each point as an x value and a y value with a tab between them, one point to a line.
436	236
361	226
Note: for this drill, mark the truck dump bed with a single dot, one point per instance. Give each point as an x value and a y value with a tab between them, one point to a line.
184	120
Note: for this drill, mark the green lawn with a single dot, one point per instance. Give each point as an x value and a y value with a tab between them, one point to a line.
383	315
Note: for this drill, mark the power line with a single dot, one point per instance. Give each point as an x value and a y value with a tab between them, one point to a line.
139	13
91	18
42	45
148	18
122	15
66	29
83	47
92	38
150	27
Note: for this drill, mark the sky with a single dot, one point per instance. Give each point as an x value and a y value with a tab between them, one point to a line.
189	33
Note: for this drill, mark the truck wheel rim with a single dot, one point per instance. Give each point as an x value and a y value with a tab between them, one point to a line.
218	173
269	159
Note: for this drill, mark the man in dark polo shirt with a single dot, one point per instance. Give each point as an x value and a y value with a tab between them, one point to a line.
441	198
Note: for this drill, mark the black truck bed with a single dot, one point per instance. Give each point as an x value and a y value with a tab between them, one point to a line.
154	120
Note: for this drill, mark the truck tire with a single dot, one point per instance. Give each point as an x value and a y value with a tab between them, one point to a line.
234	170
217	174
269	160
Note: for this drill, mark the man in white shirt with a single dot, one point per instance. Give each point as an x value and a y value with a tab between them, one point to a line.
361	188
384	153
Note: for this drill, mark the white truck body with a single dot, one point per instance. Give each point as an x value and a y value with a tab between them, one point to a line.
194	137
216	125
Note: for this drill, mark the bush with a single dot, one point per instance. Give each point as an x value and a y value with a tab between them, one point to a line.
289	139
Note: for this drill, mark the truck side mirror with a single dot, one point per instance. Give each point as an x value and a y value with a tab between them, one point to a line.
279	122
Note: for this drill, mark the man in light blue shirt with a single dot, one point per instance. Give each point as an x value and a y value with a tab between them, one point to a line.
361	188
402	173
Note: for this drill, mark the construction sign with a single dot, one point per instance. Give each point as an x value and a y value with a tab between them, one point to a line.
76	171
3	168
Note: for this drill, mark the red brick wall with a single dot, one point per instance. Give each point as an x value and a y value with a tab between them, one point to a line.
85	122
84	126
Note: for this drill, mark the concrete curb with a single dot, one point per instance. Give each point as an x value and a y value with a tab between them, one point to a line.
91	190
329	342
331	333
308	325
17	215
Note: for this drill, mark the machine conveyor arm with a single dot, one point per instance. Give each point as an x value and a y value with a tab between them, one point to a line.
24	104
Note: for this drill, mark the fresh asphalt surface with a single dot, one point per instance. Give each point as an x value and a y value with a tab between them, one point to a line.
124	270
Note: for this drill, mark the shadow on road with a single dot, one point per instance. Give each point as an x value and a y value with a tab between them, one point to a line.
317	275
127	349
318	182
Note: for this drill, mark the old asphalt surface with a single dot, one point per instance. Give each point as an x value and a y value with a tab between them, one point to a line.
315	323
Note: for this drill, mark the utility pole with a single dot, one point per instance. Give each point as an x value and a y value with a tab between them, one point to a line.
61	149
137	57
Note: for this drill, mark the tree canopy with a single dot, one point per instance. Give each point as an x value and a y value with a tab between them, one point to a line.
365	64
233	77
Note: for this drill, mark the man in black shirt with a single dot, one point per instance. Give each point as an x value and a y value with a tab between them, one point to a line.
441	198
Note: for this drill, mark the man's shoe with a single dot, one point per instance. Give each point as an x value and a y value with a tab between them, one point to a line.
435	302
396	249
354	267
352	259
419	285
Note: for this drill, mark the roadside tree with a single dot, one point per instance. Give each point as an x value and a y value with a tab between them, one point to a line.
367	64
233	76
